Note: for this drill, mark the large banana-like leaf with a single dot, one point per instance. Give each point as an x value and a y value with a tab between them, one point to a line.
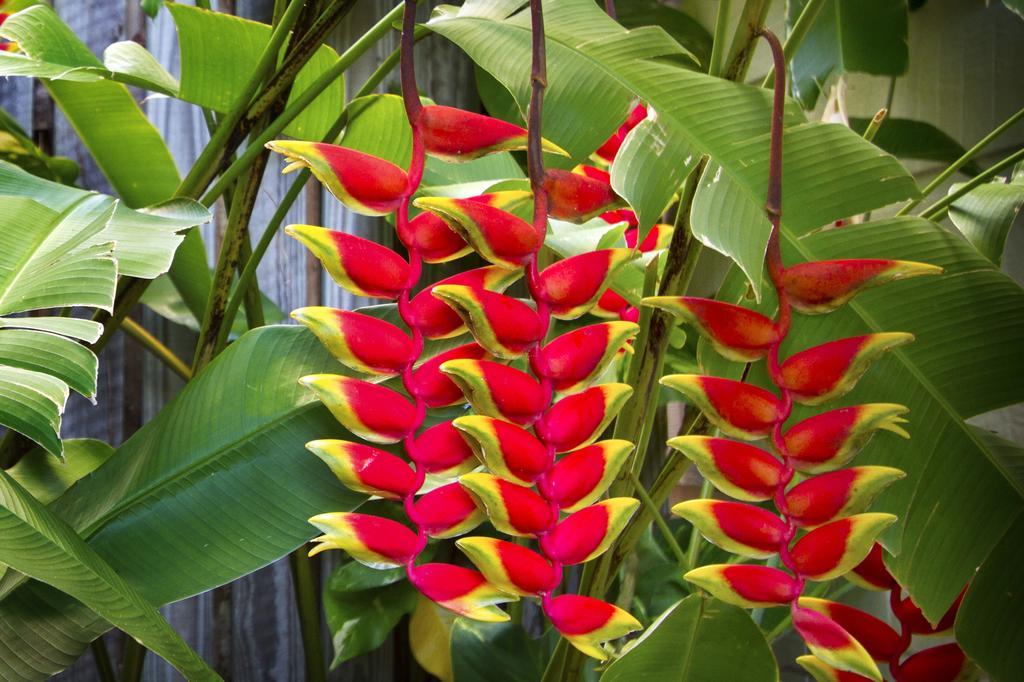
602	67
124	143
216	486
960	505
985	214
698	639
35	541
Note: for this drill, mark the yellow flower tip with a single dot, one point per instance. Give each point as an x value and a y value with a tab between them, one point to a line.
552	148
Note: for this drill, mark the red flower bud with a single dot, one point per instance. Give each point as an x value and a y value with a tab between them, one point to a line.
831	439
576	359
582	476
735	332
497	390
370	540
366	469
737	469
587	622
436	319
434	386
430	236
509	567
825	372
738	409
513	509
363	267
946	663
372	412
823	286
748	585
736	527
362	342
827	497
587	533
576	197
441	451
573	285
580	418
505	449
457	135
462	590
485	223
447	512
505	326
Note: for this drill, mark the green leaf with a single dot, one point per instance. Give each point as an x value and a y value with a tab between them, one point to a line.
48	48
46	478
988	623
217	485
359	617
687	31
218	54
162	298
39	544
869	36
958	499
124	143
1016	6
905	138
698	639
609	66
144	240
985	214
830	173
49	259
17	148
495	652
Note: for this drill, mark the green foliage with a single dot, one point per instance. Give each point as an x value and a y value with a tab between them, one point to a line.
222	467
35	541
17	148
698	639
495	652
46	478
985	214
906	138
869	36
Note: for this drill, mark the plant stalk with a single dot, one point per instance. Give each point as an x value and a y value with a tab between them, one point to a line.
133	656
876	122
962	161
796	36
309	613
156	348
718	46
255	147
743	42
937	210
100	655
654	510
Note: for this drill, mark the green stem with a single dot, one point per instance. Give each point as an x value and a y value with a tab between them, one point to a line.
209	159
126	300
718	47
309	614
693	550
100	655
937	210
875	124
242	203
751	20
959	163
248	273
796	36
132	658
156	347
655	512
379	30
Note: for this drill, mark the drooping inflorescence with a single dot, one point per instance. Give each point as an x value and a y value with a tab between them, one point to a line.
540	460
821	529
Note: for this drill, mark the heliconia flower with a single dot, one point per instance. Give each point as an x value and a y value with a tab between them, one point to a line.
871	573
831	439
366	184
593	173
607	151
739	470
441	451
505	326
430	236
833	645
448	511
372	412
576	359
831	550
877	638
361	342
510	567
825	372
735	332
505	449
823	672
363	267
748	585
366	469
497	390
589	532
659	237
513	509
738	409
619	215
610	305
587	622
486	225
945	663
827	497
579	419
582	476
462	590
371	540
824	285
736	527
436	319
434	386
572	285
911	616
457	135
577	198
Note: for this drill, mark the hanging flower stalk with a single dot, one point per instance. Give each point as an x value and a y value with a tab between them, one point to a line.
542	458
829	505
942	663
374	186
